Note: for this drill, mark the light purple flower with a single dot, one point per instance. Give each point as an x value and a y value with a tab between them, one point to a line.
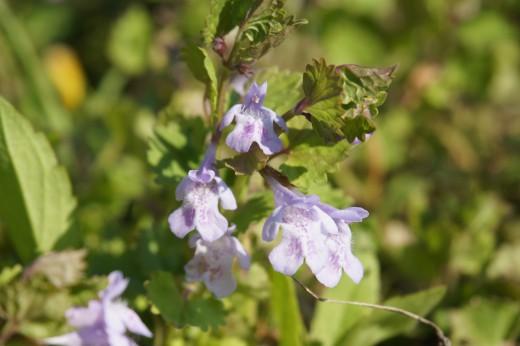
314	231
358	141
105	321
212	263
305	231
200	191
254	123
340	247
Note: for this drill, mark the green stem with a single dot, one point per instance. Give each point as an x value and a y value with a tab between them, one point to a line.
8	331
223	84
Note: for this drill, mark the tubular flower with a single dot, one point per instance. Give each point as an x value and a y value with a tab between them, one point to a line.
212	262
314	231
254	123
305	231
340	247
105	321
200	191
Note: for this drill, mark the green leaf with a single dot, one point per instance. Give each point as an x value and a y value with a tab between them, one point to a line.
199	312
171	154
128	46
286	311
264	27
328	112
37	197
309	159
322	89
212	21
358	127
46	110
247	163
256	209
307	165
231	13
329	330
382	325
364	91
321	82
484	322
342	100
365	84
203	70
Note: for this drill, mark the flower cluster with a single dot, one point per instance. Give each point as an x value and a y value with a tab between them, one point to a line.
215	249
312	231
105	321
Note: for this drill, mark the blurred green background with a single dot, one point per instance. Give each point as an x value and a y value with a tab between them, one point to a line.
441	176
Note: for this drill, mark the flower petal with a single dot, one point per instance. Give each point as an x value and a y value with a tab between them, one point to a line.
272	225
255	96
70	339
353	268
180	191
227	199
315	251
267	139
210	223
182	221
202	175
278	120
131	320
241	138
222	284
327	223
116	286
287	257
331	272
243	258
79	317
229	116
349	215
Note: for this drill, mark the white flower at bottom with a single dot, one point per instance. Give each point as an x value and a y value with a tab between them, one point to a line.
212	262
104	322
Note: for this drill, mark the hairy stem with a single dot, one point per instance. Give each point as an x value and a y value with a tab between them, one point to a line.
443	339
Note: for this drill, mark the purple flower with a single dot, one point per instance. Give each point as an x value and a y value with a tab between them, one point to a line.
254	123
105	321
367	136
305	231
200	191
340	247
314	231
212	263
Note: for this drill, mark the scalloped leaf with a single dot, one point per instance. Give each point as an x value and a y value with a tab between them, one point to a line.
37	200
320	82
364	91
265	26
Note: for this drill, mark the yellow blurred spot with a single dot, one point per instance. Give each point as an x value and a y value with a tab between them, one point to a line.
66	74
